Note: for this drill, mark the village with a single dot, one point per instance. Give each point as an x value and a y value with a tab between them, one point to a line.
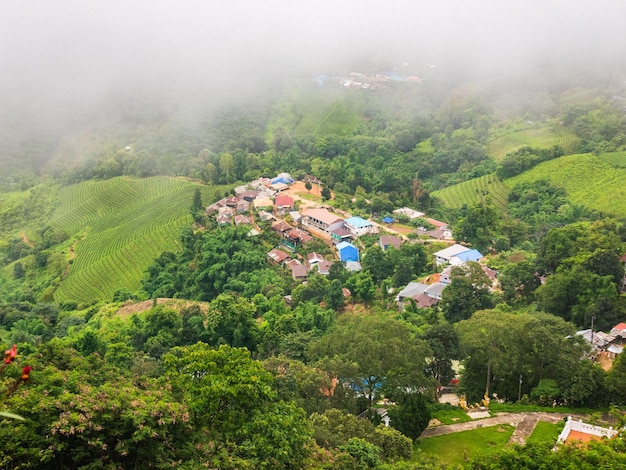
299	221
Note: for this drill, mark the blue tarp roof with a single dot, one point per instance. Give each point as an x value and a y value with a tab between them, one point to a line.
388	220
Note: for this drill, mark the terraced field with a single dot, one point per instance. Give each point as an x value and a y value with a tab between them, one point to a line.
474	190
120	226
542	137
589	180
615	159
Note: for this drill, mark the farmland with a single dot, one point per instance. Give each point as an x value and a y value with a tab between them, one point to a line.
474	190
588	179
614	159
118	227
536	137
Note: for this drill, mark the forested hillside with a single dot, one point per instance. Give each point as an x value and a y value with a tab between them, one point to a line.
169	321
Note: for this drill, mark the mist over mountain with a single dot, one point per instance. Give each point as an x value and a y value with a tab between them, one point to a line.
68	63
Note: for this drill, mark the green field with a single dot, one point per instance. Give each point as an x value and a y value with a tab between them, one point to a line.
119	226
455	448
588	180
540	138
319	111
474	190
545	433
614	159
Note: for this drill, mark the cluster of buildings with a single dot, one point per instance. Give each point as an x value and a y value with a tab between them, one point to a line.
428	295
266	198
606	344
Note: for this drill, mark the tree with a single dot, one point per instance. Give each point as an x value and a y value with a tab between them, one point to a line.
369	352
333	296
410	415
467	293
326	195
615	380
444	343
478	225
308	186
231	397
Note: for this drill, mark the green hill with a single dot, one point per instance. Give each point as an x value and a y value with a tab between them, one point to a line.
536	137
119	226
471	191
589	180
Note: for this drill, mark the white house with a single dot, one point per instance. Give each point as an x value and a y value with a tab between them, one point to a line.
322	219
358	226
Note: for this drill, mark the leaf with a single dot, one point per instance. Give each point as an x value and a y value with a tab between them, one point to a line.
11	415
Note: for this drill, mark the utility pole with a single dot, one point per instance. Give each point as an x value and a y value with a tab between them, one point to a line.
593	317
519	391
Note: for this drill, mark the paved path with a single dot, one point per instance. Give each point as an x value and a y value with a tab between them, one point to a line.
524	424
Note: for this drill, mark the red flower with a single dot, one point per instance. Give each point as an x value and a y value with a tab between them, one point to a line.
25	372
10	354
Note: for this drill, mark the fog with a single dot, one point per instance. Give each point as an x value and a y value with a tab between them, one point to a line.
68	59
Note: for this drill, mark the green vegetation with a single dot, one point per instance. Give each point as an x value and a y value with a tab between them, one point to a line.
588	181
118	227
474	191
538	137
458	448
545	433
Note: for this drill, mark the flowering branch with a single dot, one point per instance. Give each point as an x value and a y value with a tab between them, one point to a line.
9	357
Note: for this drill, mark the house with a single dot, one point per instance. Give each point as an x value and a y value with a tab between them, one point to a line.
296	237
436	223
277	256
598	340
358	226
243	206
464	257
455	251
347	252
242	220
281	228
385	241
223	219
412	290
583	432
435	290
266	216
444	276
619	330
299	272
284	204
321	219
340	235
425	301
408	212
353	266
284	178
314	258
249	195
295	216
323	267
425	295
263	202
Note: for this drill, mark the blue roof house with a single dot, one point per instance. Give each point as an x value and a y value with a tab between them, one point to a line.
465	256
348	252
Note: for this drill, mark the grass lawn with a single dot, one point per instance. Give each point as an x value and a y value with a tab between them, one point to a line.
456	447
545	432
450	415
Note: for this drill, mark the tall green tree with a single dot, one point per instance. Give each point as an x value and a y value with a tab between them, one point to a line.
232	402
368	352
